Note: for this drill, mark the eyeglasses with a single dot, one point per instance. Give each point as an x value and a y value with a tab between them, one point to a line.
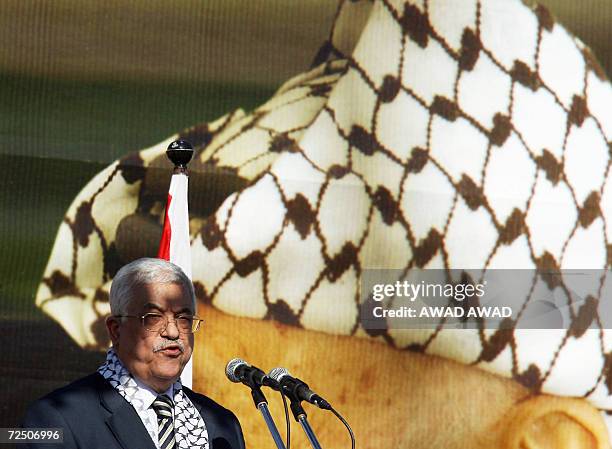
155	322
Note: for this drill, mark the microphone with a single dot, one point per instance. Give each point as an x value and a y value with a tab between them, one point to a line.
239	371
297	389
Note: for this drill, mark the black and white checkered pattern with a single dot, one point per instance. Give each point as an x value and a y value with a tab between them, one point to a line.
474	134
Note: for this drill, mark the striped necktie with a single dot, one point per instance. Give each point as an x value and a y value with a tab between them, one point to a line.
163	408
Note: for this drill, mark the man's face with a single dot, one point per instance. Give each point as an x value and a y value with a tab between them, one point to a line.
156	358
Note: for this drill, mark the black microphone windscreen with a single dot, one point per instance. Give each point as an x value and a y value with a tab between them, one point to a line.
230	369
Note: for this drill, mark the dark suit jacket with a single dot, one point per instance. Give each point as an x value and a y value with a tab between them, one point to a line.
94	415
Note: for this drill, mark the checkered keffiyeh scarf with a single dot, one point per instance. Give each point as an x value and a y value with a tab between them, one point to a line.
428	134
189	427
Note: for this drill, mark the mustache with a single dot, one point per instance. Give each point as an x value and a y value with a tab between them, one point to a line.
165	343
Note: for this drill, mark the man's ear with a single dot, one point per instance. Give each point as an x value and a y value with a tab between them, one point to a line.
552	422
112	326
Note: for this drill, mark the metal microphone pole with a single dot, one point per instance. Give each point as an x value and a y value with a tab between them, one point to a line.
300	416
262	405
239	371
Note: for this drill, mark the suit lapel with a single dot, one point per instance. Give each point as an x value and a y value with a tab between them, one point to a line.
208	417
123	421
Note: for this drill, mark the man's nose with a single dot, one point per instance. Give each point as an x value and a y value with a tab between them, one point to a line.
171	330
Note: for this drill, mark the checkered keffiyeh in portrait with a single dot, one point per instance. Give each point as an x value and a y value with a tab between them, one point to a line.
429	134
189	427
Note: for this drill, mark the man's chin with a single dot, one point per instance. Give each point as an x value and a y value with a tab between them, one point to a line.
167	374
169	367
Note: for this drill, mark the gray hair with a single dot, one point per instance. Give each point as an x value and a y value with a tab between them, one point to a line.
145	271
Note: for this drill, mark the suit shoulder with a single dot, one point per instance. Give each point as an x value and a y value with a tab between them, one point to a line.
77	391
69	404
203	401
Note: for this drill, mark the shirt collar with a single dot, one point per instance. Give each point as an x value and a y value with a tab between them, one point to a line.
148	394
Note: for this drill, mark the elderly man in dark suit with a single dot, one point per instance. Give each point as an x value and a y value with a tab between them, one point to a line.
135	399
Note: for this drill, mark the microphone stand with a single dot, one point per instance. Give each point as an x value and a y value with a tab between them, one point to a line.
300	416
262	405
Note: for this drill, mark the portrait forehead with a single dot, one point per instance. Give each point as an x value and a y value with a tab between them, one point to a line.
162	297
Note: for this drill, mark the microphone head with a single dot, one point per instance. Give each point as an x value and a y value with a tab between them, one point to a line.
230	369
278	373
